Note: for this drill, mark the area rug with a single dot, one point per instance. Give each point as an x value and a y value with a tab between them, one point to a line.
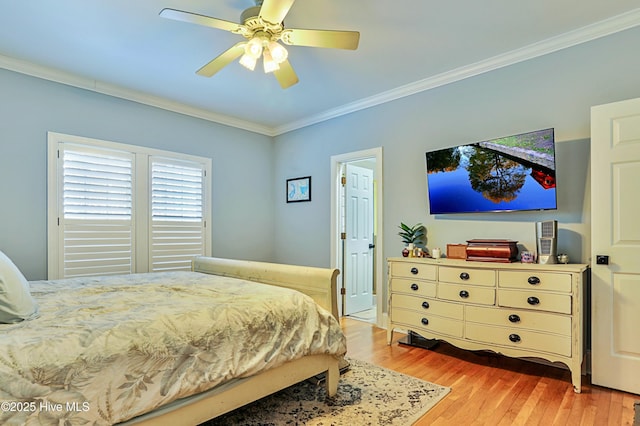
367	395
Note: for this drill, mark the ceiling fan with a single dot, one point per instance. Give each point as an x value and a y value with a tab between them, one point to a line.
263	26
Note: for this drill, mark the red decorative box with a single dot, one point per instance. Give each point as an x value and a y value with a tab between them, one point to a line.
504	251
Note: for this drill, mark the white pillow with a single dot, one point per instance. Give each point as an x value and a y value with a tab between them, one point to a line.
16	303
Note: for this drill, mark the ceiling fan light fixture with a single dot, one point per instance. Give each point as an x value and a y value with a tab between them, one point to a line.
278	52
269	64
248	61
253	47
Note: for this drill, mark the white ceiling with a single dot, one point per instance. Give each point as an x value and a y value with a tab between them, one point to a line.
123	48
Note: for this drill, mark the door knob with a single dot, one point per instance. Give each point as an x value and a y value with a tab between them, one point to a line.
602	259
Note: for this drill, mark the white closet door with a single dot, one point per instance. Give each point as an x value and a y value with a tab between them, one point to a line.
359	242
615	232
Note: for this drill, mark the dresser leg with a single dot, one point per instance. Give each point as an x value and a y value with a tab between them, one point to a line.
576	379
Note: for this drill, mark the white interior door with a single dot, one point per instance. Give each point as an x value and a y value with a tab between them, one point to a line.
359	239
615	232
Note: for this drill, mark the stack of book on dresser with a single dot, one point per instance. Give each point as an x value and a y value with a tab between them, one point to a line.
504	251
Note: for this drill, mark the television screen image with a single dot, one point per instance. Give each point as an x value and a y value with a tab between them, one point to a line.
512	173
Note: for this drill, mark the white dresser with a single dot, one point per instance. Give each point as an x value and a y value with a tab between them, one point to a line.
515	309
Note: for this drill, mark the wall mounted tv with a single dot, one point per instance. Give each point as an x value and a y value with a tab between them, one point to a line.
512	173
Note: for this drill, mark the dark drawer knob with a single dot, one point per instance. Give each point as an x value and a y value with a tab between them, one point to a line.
514	318
533	280
425	305
424	321
464	276
514	338
533	300
464	294
414	270
414	287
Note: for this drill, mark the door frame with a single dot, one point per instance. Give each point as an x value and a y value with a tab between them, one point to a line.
336	242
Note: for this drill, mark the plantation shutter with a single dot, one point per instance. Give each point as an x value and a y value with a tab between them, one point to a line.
177	222
118	209
96	223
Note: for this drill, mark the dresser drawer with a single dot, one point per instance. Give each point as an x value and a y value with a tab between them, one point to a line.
535	280
520	319
414	270
427	306
422	288
424	321
515	338
467	293
485	277
540	301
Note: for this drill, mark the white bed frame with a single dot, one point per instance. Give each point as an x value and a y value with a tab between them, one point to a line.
318	283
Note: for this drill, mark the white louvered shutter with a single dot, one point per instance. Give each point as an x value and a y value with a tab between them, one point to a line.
177	222
96	222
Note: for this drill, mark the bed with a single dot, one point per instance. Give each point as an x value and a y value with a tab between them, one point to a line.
169	348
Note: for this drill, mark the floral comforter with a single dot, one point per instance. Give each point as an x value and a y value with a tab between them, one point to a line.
106	349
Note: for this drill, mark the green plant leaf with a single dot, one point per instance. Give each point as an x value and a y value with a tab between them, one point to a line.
411	234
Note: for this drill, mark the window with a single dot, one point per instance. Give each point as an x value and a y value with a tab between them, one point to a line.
177	232
117	209
96	226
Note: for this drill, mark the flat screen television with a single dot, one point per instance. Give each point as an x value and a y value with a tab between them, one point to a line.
513	173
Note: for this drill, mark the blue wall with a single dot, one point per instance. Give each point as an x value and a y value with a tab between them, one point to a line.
30	107
555	90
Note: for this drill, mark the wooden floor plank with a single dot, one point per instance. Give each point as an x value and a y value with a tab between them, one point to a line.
490	389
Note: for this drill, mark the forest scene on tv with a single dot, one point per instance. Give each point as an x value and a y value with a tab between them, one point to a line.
505	174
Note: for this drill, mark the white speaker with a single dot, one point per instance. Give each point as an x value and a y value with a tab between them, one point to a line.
547	241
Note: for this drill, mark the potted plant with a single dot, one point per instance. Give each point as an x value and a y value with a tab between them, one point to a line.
411	235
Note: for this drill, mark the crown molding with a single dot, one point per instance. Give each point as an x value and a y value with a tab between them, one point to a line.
581	35
58	76
585	34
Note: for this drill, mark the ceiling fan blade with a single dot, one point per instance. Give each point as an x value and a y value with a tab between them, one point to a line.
274	11
222	60
322	38
286	76
194	18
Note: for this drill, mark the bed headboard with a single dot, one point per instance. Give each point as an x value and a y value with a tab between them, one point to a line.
318	283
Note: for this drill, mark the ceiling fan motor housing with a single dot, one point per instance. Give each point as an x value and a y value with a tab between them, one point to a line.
254	25
250	14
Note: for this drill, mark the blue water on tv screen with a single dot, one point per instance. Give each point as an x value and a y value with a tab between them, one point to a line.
513	173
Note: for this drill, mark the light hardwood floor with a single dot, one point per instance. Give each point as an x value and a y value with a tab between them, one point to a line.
488	389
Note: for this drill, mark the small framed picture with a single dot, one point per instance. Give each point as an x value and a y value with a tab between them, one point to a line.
299	189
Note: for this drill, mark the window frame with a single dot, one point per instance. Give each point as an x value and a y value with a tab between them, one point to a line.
141	184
